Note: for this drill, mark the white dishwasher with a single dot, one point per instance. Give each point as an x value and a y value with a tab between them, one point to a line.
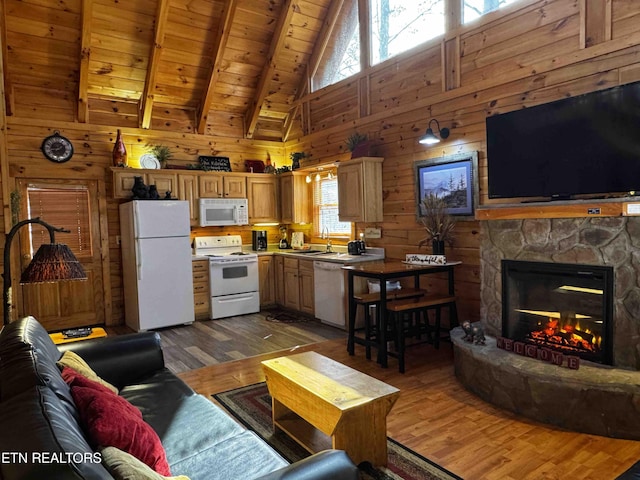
328	282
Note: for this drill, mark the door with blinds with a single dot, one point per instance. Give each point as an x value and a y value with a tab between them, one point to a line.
74	207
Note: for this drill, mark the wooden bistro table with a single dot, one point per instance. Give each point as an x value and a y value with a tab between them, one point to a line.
384	271
323	404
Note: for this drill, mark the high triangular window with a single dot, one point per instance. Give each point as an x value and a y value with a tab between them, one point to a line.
341	57
398	25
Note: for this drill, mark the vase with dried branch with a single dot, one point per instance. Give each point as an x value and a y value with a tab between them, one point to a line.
437	223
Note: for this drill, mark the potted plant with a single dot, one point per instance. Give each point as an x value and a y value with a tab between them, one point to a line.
437	222
358	144
295	159
162	153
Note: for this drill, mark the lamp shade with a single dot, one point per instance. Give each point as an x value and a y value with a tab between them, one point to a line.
429	138
53	262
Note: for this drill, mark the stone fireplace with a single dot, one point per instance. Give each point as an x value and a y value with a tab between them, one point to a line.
596	398
602	241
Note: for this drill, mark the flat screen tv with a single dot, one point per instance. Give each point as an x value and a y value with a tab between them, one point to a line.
583	145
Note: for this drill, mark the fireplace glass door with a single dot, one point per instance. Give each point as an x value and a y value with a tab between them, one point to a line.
563	307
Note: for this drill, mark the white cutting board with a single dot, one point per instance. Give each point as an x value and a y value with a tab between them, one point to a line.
297	239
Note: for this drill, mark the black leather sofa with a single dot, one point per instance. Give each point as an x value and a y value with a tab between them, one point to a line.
38	414
632	474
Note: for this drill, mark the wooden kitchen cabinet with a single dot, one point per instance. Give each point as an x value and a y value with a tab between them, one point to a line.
201	291
279	275
123	181
291	284
360	190
298	285
189	188
267	275
295	202
307	297
164	182
262	197
223	185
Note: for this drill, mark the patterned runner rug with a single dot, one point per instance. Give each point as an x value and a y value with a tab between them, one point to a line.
251	405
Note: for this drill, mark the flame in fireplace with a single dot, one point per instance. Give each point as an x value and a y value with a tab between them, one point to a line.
563	331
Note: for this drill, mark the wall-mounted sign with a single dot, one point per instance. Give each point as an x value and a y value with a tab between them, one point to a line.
214	164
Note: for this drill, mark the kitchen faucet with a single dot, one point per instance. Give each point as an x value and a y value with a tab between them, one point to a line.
325	235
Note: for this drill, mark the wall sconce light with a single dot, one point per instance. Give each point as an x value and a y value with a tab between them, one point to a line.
317	177
53	262
307	179
430	138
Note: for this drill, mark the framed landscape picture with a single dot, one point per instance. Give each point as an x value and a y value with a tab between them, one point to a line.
452	178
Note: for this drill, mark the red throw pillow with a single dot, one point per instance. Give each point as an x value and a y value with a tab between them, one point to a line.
110	422
75	379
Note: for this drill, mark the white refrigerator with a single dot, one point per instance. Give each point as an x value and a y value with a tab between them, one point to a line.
156	263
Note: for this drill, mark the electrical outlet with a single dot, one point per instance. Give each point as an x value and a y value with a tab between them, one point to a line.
118	240
371	232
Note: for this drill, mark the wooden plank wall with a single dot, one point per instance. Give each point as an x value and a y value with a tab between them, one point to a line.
92	158
525	54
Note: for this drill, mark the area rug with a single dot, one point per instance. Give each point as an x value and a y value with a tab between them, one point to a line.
283	316
251	405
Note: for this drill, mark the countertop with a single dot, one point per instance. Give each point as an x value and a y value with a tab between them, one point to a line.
339	254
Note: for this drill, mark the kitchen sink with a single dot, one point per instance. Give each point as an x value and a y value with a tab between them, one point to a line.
306	252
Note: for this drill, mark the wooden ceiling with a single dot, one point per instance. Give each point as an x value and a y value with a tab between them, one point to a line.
209	66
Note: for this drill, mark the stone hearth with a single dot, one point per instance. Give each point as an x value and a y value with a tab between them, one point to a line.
613	241
593	399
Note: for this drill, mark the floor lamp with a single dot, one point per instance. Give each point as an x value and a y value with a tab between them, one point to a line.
53	262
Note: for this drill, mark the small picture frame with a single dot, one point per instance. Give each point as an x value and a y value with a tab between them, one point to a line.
452	178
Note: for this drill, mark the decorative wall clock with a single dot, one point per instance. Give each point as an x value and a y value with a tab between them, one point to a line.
57	148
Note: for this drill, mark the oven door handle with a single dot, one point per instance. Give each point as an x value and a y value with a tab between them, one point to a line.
231	264
234	298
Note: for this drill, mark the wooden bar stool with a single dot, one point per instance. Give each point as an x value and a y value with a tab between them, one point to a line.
368	300
403	310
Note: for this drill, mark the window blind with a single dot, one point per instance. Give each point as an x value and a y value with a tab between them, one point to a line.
65	208
325	209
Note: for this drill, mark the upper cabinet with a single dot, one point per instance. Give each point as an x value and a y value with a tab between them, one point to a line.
360	190
164	182
294	198
189	190
262	195
223	185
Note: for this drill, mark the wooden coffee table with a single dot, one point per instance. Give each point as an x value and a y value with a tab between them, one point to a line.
323	404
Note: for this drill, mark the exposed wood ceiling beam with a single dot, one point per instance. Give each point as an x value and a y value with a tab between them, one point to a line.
277	44
8	88
85	55
314	62
219	47
146	100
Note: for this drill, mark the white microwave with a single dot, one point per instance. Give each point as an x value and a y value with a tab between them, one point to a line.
223	211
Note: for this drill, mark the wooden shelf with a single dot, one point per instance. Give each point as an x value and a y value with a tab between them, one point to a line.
309	437
570	209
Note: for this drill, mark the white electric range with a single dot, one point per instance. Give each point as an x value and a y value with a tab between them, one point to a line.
233	275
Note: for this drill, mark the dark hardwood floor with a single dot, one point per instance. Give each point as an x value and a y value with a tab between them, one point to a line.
217	341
